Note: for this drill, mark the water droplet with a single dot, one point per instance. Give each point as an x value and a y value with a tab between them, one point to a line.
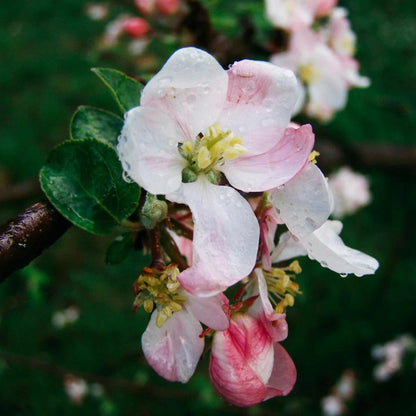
324	264
343	274
127	178
206	90
268	104
127	165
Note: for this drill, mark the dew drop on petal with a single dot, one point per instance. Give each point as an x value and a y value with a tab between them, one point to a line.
343	274
127	178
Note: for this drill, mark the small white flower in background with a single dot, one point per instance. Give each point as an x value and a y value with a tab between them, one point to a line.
332	406
351	191
96	390
392	354
96	11
76	388
342	392
63	317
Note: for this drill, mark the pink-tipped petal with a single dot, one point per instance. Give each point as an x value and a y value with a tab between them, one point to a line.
283	376
305	202
260	100
241	361
325	246
211	311
174	350
147	149
226	237
191	87
275	167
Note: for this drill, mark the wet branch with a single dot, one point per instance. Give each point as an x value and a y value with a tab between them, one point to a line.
25	237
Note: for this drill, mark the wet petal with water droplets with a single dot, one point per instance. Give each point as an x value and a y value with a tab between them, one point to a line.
305	202
147	149
260	101
191	87
275	167
325	246
173	350
226	237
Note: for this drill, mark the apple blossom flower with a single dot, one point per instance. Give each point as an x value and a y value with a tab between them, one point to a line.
290	14
76	388
197	121
325	76
350	190
392	354
247	366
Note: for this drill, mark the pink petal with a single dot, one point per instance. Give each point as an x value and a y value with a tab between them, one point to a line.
211	311
260	101
275	167
147	149
191	87
287	248
283	376
305	202
174	350
226	237
234	371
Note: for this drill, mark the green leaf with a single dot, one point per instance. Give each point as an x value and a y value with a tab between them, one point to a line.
83	180
119	249
126	90
95	123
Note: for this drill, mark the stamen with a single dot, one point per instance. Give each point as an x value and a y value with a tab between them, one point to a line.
159	288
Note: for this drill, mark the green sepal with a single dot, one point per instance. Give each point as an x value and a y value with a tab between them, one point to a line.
119	249
83	179
125	90
95	123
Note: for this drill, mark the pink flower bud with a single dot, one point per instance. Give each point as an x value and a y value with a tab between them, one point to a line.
136	27
167	6
246	366
324	7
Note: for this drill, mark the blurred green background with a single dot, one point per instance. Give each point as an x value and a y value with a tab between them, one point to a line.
46	51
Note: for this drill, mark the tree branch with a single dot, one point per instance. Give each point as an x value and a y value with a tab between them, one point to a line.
24	237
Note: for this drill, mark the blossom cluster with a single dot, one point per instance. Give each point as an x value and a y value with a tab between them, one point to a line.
391	356
244	197
321	51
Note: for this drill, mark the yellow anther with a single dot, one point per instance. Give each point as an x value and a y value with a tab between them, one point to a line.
188	148
175	307
161	318
278	272
148	305
308	73
289	299
293	286
295	266
348	45
313	155
234	151
203	158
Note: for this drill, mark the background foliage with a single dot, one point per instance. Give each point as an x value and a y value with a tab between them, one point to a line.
46	52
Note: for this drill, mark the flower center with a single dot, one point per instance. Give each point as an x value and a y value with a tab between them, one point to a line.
209	150
281	286
160	288
308	73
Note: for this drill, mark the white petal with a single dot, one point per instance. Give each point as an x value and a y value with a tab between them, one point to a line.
288	248
304	203
260	100
226	237
192	87
174	350
325	246
148	150
211	310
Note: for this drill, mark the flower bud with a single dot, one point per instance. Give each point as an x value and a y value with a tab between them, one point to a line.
153	211
136	27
